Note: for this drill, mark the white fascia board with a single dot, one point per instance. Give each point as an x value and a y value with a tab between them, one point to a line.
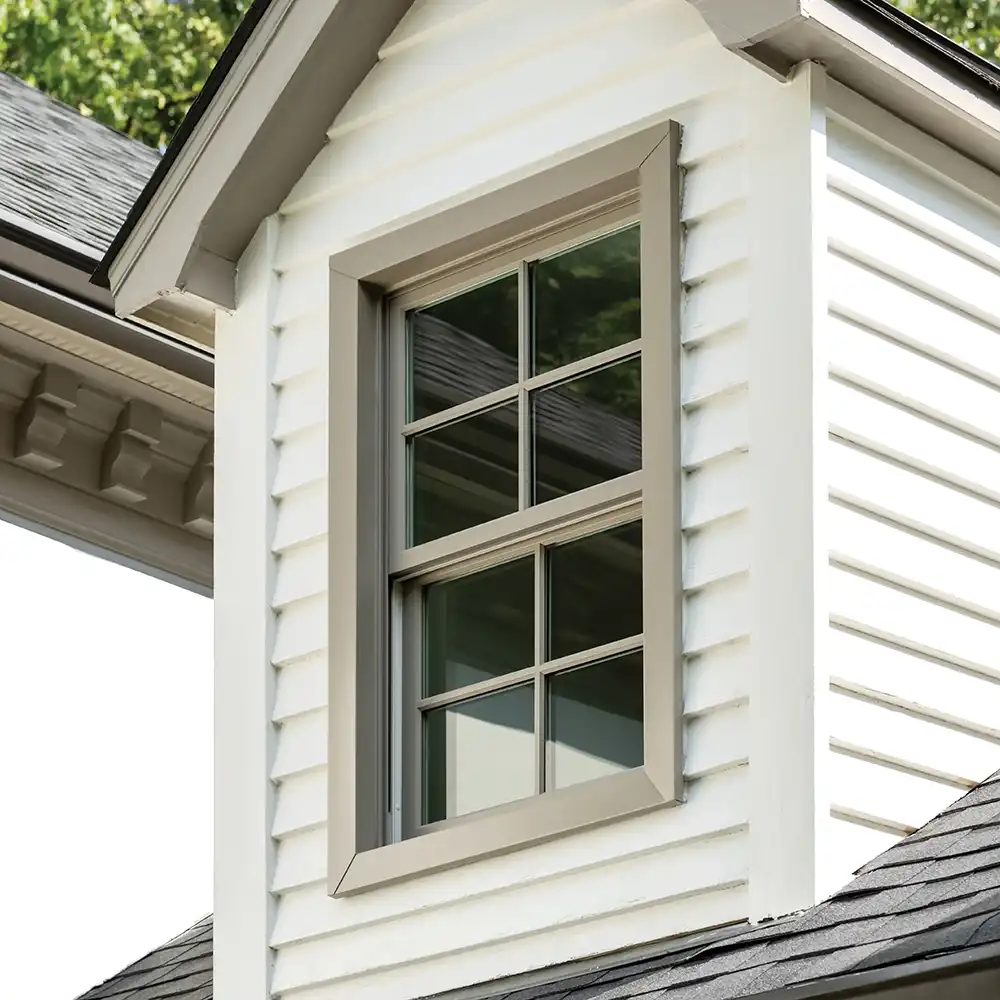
162	247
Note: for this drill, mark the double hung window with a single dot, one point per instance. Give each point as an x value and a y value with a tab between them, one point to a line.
505	520
517	529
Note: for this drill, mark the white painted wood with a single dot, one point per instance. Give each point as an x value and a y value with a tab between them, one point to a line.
423	140
716	306
913	341
301	516
244	628
885	793
464	101
716	489
720	678
786	435
301	630
717	552
301	687
712	908
718	427
301	573
718	365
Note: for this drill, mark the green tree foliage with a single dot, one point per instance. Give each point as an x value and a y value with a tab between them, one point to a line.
135	65
972	23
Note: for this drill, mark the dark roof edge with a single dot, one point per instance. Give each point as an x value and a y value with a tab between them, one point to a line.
939	50
918	971
48	248
195	113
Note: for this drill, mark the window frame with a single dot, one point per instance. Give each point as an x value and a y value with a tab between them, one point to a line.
632	179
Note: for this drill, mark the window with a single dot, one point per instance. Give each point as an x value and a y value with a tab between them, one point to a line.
521	655
512	685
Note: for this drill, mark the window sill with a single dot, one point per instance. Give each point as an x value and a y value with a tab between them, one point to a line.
504	829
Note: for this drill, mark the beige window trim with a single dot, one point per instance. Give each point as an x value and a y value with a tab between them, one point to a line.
640	167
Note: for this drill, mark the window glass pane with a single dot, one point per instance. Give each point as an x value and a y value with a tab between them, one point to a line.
595	590
463	474
586	300
479	626
479	753
594	725
463	348
587	431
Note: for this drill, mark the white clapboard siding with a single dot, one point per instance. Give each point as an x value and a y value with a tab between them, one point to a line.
462	97
913	522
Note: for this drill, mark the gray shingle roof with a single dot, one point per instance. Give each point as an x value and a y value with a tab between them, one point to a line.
65	176
181	969
934	894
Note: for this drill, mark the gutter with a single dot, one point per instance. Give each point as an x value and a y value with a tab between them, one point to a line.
981	72
104	327
52	249
195	113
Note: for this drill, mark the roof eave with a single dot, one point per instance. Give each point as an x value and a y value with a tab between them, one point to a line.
262	121
872	48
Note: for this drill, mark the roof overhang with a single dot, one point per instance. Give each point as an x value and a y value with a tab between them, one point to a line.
260	121
874	49
265	111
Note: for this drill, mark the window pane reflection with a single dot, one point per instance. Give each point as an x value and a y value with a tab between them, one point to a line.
587	431
479	754
586	300
463	348
594	721
595	590
463	474
479	626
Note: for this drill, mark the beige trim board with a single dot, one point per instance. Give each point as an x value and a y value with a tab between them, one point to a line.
102	528
360	856
506	828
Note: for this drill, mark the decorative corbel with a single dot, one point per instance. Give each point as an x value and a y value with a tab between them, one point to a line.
199	493
43	420
128	453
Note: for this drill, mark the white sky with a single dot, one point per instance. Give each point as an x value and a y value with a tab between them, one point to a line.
106	744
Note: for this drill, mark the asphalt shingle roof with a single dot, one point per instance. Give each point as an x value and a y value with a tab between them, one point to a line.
66	174
181	969
934	894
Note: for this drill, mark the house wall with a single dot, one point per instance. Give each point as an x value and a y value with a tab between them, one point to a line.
465	97
913	464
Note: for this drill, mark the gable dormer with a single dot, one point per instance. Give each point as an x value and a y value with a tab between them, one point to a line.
603	449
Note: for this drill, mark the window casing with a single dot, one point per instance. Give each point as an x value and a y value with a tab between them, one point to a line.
546	528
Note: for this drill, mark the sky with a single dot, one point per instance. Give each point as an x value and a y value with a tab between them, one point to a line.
106	775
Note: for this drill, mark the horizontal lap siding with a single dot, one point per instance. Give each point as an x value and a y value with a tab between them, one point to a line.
913	520
460	93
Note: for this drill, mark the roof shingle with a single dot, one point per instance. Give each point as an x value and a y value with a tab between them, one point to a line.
933	894
63	174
